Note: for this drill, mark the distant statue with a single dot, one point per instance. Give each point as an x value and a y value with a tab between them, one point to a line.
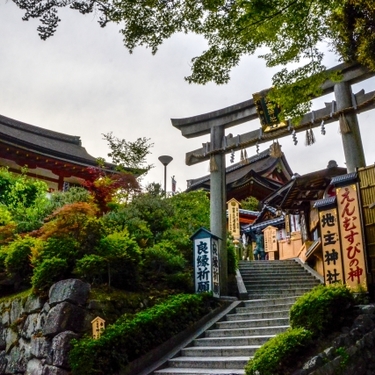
259	253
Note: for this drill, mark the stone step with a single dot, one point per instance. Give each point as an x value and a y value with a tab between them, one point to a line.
249	331
186	371
235	324
255	303
269	265
260	271
220	351
263	309
266	275
293	271
274	293
279	285
250	315
232	341
281	275
238	362
269	262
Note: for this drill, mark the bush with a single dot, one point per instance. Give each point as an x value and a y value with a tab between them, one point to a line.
5	216
123	257
91	268
163	258
182	281
279	352
17	262
63	248
47	273
128	340
232	258
323	309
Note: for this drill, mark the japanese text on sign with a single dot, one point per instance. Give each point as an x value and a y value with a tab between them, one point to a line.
351	236
332	254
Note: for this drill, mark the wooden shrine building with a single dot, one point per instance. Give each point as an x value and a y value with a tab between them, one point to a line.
56	158
257	176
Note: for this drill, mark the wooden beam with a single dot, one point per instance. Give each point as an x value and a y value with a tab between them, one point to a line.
199	125
362	102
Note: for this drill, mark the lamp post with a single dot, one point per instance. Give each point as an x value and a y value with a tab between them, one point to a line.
165	160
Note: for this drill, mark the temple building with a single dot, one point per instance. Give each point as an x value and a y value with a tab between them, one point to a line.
257	176
56	158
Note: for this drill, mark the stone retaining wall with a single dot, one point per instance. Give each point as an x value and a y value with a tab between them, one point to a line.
351	353
35	334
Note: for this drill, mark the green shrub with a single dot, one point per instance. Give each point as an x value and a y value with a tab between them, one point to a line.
182	281
60	247
129	339
3	255
5	215
48	272
163	258
279	352
232	258
91	268
73	195
17	262
323	309
123	257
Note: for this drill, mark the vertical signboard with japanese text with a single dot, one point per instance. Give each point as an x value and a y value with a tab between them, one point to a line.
215	268
270	241
206	262
351	236
234	218
332	254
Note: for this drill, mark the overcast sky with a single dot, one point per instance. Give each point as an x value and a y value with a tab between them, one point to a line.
84	82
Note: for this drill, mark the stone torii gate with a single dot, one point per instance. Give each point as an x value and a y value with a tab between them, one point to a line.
344	108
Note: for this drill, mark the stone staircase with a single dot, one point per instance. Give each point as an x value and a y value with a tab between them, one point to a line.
227	346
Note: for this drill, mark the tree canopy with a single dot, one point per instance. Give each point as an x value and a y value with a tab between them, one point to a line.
291	31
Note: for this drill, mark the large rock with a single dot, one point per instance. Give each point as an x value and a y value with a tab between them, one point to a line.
33	304
71	290
16	311
11	339
61	347
3	363
29	327
40	347
34	367
17	361
5	315
63	317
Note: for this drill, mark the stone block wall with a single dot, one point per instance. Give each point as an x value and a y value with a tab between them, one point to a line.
35	334
351	353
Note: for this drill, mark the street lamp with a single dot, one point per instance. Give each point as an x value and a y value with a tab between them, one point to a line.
165	160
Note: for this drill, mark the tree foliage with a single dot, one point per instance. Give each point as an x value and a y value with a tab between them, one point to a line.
129	155
289	31
110	188
23	201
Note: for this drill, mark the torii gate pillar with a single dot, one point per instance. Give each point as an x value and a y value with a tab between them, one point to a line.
351	139
218	225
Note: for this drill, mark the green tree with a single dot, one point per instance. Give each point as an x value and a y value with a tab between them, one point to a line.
24	199
290	31
129	155
18	260
250	203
